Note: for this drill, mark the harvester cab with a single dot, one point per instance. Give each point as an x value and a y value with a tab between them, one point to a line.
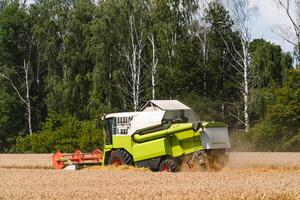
162	136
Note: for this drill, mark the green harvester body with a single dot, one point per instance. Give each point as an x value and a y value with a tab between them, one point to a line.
171	139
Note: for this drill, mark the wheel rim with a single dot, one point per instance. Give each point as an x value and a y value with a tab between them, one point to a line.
116	162
165	168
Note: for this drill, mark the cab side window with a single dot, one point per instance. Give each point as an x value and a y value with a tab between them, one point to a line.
121	125
180	116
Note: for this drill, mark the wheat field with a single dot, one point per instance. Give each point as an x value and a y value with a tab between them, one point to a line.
247	176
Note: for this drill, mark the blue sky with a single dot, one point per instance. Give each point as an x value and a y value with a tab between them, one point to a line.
269	16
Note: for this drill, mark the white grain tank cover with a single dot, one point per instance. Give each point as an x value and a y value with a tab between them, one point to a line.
142	120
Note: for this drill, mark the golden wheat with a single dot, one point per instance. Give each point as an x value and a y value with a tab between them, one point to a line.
244	178
25	161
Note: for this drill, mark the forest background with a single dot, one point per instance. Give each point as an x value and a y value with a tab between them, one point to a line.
63	64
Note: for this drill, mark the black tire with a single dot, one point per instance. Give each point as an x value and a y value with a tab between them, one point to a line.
215	159
120	157
168	165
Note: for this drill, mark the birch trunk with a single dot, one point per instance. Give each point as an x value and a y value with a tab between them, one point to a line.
241	14
28	102
153	67
135	61
246	87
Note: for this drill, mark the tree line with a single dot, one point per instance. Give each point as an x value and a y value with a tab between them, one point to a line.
63	64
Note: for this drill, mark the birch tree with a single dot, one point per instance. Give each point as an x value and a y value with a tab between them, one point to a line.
291	33
201	32
241	15
153	65
134	58
26	99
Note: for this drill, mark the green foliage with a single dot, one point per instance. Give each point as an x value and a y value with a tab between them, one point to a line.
79	55
14	33
269	64
279	131
64	133
10	118
206	109
15	46
266	136
62	44
223	77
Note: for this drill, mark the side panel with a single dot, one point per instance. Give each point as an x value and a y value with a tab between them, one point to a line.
122	142
151	149
189	141
198	143
184	142
176	146
106	153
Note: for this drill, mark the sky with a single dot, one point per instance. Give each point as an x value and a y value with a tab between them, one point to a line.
269	16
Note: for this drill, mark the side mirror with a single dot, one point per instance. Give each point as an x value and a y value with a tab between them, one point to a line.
196	126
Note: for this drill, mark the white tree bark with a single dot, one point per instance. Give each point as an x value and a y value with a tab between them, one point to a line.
153	66
26	100
28	104
246	83
242	13
135	61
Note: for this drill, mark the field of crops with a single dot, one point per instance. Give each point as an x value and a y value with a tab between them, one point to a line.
247	176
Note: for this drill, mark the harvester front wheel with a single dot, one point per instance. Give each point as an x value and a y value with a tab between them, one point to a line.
168	165
120	157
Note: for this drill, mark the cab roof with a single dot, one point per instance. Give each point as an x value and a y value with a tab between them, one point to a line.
164	105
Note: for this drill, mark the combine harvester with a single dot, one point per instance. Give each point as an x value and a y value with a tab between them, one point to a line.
162	136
